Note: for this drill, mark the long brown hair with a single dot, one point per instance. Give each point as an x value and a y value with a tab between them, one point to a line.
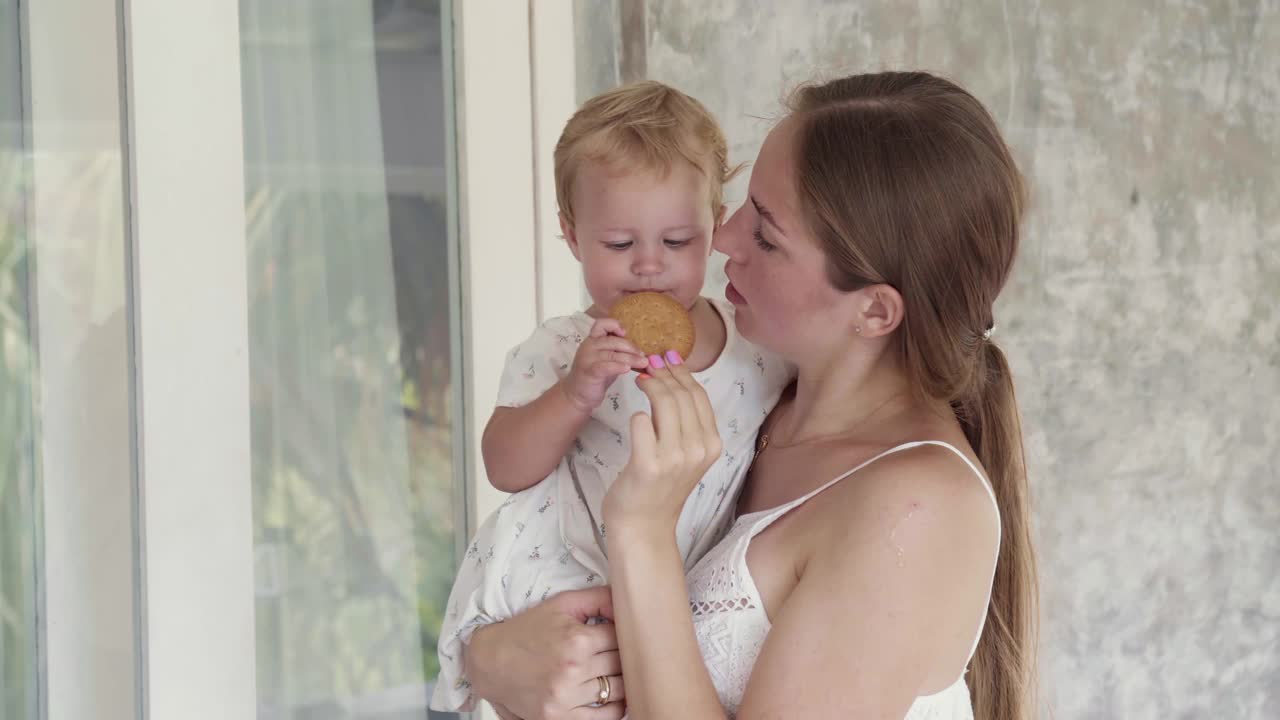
905	180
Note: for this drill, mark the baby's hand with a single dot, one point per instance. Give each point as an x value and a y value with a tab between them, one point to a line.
601	358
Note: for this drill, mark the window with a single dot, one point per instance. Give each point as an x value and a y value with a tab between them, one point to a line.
353	326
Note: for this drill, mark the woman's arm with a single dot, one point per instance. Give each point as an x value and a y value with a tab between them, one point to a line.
670	454
660	652
543	663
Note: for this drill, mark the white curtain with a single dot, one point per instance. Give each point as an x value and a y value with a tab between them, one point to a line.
347	490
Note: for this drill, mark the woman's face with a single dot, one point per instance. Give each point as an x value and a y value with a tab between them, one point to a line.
777	273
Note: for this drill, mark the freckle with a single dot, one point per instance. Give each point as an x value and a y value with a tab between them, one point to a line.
893	534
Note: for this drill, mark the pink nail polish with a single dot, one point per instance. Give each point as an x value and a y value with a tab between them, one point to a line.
673	358
656	361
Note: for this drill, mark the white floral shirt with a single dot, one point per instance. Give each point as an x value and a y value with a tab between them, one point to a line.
549	538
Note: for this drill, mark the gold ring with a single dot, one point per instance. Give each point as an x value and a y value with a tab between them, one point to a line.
602	697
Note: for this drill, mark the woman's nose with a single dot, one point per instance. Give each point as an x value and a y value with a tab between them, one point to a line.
727	238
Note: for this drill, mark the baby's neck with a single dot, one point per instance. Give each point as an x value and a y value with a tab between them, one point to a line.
710	335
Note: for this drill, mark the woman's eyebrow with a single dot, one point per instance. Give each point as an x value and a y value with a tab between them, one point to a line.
768	216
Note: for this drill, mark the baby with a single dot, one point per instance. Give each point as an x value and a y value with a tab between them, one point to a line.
640	173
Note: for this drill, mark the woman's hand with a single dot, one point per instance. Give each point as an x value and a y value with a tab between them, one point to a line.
543	663
670	453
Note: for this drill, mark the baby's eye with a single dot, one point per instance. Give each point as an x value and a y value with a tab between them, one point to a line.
673	243
618	246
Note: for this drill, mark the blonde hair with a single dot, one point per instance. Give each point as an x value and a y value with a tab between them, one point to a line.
905	180
645	126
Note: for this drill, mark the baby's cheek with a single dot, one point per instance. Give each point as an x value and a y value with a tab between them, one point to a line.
693	273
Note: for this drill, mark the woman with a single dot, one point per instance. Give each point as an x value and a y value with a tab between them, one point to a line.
882	554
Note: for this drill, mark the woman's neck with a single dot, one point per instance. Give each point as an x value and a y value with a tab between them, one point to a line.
841	394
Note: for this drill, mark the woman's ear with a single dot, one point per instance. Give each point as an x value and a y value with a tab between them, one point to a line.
880	311
571	238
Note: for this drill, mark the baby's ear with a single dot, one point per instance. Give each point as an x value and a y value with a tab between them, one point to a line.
566	231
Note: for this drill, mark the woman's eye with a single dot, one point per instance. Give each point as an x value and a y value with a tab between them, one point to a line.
765	245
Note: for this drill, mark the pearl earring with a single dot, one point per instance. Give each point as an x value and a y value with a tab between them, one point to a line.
858	329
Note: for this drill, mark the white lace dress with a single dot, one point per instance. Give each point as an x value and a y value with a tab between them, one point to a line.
731	623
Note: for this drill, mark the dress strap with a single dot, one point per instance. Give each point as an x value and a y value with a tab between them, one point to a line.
783	509
770	515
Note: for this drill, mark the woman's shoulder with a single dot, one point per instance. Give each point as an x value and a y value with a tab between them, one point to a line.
929	491
905	553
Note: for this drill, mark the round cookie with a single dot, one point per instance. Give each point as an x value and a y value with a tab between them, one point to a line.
655	323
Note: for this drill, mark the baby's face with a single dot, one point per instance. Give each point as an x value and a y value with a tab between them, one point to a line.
637	232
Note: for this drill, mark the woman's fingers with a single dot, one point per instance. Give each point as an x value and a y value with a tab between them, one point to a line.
612	711
590	691
644	443
666	409
583	605
606	663
705	415
690	439
698	438
589	640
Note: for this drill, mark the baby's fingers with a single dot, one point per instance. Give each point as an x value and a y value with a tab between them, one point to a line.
607	326
609	363
618	350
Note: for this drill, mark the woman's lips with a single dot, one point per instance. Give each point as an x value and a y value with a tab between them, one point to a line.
732	294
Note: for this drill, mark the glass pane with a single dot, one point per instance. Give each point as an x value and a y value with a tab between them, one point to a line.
354	421
17	441
66	421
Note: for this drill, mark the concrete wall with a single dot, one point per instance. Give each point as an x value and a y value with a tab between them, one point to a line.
1143	319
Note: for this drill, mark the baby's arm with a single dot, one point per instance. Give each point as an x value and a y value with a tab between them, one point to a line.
522	445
